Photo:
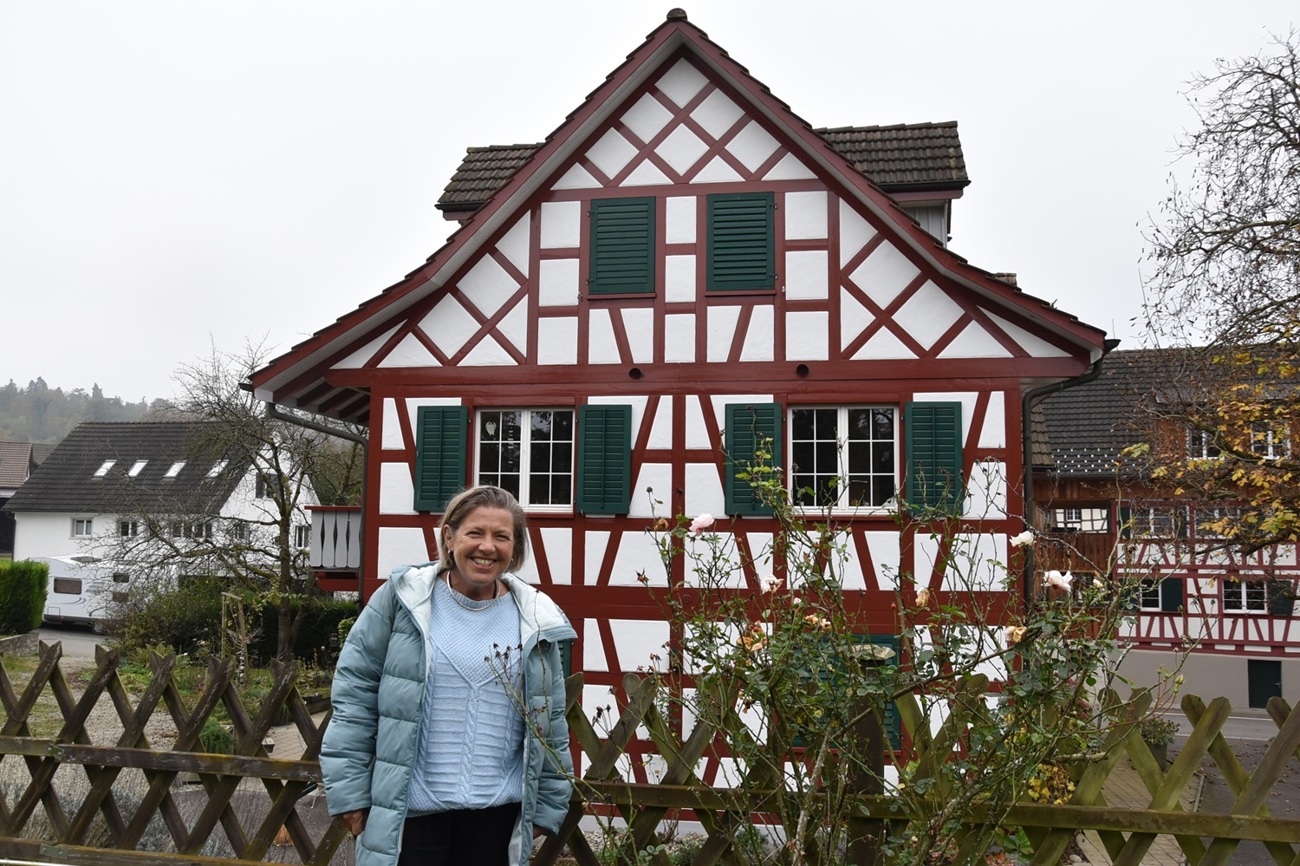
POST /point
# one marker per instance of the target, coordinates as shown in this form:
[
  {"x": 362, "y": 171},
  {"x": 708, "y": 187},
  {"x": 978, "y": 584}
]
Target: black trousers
[{"x": 475, "y": 836}]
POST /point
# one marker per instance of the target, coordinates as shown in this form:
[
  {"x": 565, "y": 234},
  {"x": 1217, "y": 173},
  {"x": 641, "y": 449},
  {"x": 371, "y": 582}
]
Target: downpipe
[{"x": 1027, "y": 445}]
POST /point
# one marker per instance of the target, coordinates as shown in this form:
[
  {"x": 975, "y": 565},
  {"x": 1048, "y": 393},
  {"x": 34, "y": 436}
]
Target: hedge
[
  {"x": 318, "y": 639},
  {"x": 23, "y": 587}
]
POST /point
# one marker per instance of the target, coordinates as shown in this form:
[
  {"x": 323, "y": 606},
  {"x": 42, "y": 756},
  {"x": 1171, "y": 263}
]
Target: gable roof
[
  {"x": 900, "y": 158},
  {"x": 66, "y": 480},
  {"x": 1088, "y": 426},
  {"x": 17, "y": 461},
  {"x": 299, "y": 379}
]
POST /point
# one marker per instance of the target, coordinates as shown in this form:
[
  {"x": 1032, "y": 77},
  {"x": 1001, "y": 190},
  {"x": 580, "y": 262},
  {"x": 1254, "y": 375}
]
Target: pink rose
[{"x": 701, "y": 523}]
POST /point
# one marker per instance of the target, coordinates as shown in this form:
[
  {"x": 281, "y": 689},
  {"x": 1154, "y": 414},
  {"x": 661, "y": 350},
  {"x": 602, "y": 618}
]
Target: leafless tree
[
  {"x": 260, "y": 547},
  {"x": 1225, "y": 297}
]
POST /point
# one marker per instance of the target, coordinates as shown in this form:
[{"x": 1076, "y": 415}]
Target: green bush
[
  {"x": 216, "y": 738},
  {"x": 23, "y": 587},
  {"x": 184, "y": 616},
  {"x": 318, "y": 636}
]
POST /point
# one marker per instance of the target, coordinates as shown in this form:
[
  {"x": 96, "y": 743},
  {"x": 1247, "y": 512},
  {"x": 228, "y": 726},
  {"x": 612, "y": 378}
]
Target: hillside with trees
[{"x": 41, "y": 414}]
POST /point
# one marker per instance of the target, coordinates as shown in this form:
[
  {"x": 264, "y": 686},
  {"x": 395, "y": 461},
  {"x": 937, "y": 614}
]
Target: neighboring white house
[{"x": 111, "y": 490}]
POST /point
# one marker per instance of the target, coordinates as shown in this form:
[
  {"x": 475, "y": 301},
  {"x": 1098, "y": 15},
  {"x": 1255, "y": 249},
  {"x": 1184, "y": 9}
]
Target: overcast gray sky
[{"x": 181, "y": 173}]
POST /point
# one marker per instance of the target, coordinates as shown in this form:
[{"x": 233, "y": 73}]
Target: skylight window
[
  {"x": 135, "y": 469},
  {"x": 175, "y": 470},
  {"x": 103, "y": 470},
  {"x": 217, "y": 468}
]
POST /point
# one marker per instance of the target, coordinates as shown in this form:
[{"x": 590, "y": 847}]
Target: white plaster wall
[
  {"x": 758, "y": 344},
  {"x": 50, "y": 533},
  {"x": 805, "y": 215},
  {"x": 806, "y": 335},
  {"x": 637, "y": 554},
  {"x": 986, "y": 491},
  {"x": 401, "y": 545},
  {"x": 887, "y": 557},
  {"x": 557, "y": 283},
  {"x": 704, "y": 493},
  {"x": 679, "y": 338},
  {"x": 652, "y": 491},
  {"x": 557, "y": 340},
  {"x": 558, "y": 543},
  {"x": 994, "y": 432},
  {"x": 396, "y": 490},
  {"x": 807, "y": 275},
  {"x": 602, "y": 348},
  {"x": 561, "y": 225}
]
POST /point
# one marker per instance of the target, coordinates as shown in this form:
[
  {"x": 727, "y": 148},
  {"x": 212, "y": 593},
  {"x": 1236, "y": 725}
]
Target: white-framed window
[
  {"x": 137, "y": 467},
  {"x": 217, "y": 468},
  {"x": 104, "y": 467},
  {"x": 1202, "y": 444},
  {"x": 83, "y": 527},
  {"x": 1161, "y": 594},
  {"x": 302, "y": 535},
  {"x": 1268, "y": 442},
  {"x": 1205, "y": 515},
  {"x": 128, "y": 528},
  {"x": 1160, "y": 521},
  {"x": 174, "y": 469},
  {"x": 238, "y": 531},
  {"x": 192, "y": 530},
  {"x": 262, "y": 489},
  {"x": 528, "y": 452},
  {"x": 1080, "y": 519},
  {"x": 844, "y": 456},
  {"x": 1247, "y": 596}
]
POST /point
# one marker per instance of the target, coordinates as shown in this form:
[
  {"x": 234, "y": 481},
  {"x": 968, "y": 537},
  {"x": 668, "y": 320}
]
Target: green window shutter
[
  {"x": 439, "y": 455},
  {"x": 748, "y": 425},
  {"x": 622, "y": 246},
  {"x": 934, "y": 456},
  {"x": 1125, "y": 521},
  {"x": 604, "y": 459},
  {"x": 741, "y": 242},
  {"x": 1171, "y": 594}
]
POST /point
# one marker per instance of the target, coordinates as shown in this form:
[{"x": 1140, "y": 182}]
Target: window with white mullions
[
  {"x": 844, "y": 457},
  {"x": 1202, "y": 444},
  {"x": 1268, "y": 442},
  {"x": 528, "y": 452},
  {"x": 1245, "y": 595}
]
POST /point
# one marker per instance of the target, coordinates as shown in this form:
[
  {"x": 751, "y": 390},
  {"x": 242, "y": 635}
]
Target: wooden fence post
[{"x": 867, "y": 773}]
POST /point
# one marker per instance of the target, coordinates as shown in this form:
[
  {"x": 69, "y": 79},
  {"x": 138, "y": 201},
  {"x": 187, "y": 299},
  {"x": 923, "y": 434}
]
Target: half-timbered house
[
  {"x": 1220, "y": 616},
  {"x": 682, "y": 264}
]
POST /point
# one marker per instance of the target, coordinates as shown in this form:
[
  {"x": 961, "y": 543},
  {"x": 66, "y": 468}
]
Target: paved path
[
  {"x": 1124, "y": 789},
  {"x": 1207, "y": 793}
]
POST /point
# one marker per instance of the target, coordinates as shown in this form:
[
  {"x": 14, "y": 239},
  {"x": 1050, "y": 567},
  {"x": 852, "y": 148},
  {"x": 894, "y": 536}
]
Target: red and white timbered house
[
  {"x": 681, "y": 262},
  {"x": 1229, "y": 612}
]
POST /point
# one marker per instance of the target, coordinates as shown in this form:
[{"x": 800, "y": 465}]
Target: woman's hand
[
  {"x": 355, "y": 821},
  {"x": 538, "y": 832}
]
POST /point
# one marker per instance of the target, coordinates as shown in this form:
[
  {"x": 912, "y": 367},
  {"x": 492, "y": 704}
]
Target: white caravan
[{"x": 79, "y": 589}]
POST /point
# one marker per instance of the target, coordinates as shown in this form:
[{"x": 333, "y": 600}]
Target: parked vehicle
[{"x": 80, "y": 590}]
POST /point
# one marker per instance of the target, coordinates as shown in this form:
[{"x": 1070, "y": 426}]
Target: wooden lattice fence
[{"x": 67, "y": 798}]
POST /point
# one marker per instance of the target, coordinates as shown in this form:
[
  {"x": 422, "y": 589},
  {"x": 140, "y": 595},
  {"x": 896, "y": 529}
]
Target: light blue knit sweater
[{"x": 471, "y": 742}]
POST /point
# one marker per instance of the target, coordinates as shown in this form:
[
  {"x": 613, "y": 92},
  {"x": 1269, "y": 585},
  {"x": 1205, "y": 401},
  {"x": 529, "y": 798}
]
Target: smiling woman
[{"x": 484, "y": 766}]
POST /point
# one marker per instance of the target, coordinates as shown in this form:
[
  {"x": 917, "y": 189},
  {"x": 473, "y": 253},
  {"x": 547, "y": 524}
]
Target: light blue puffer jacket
[{"x": 374, "y": 732}]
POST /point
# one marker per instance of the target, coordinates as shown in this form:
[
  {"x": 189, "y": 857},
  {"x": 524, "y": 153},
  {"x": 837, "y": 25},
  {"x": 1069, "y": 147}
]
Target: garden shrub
[
  {"x": 23, "y": 588},
  {"x": 185, "y": 616},
  {"x": 318, "y": 635}
]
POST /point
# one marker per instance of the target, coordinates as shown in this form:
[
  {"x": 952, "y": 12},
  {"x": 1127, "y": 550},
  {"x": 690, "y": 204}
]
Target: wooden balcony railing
[{"x": 335, "y": 538}]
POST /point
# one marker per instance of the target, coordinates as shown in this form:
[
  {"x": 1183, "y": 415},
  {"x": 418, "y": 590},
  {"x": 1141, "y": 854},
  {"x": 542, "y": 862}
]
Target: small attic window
[
  {"x": 217, "y": 468},
  {"x": 137, "y": 467},
  {"x": 175, "y": 469},
  {"x": 103, "y": 470}
]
